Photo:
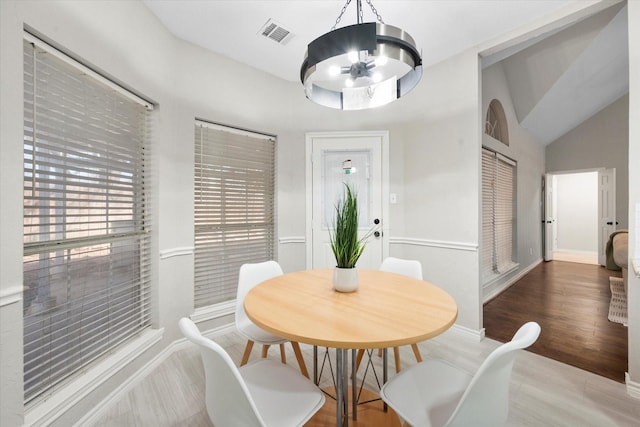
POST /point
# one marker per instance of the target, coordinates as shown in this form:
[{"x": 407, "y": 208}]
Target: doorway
[
  {"x": 579, "y": 215},
  {"x": 361, "y": 160}
]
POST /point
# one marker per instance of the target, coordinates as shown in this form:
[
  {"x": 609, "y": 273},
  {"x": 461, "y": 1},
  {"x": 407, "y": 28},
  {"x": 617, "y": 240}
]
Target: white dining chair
[
  {"x": 263, "y": 393},
  {"x": 251, "y": 274},
  {"x": 436, "y": 393},
  {"x": 407, "y": 267}
]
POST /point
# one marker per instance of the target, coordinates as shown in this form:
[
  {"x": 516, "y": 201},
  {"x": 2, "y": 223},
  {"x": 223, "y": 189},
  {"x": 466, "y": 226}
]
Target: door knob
[
  {"x": 376, "y": 221},
  {"x": 377, "y": 233}
]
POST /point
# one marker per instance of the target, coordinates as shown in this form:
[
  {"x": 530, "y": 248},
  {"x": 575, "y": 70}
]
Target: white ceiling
[{"x": 441, "y": 29}]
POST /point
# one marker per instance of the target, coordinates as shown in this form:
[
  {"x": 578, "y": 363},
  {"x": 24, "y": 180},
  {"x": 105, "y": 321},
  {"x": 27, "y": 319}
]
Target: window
[
  {"x": 234, "y": 208},
  {"x": 498, "y": 213},
  {"x": 495, "y": 124},
  {"x": 86, "y": 223}
]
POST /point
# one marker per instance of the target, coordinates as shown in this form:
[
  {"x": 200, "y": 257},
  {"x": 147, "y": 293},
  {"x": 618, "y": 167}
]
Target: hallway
[{"x": 570, "y": 301}]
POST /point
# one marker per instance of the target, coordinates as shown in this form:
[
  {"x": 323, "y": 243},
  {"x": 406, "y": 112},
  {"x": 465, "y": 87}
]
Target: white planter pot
[{"x": 345, "y": 279}]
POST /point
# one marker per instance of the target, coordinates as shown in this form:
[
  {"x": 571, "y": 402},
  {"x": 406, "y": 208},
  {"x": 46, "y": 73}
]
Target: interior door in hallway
[
  {"x": 606, "y": 210},
  {"x": 358, "y": 159}
]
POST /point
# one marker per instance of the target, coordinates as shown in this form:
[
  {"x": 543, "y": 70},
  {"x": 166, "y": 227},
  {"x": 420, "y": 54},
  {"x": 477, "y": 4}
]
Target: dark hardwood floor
[{"x": 570, "y": 301}]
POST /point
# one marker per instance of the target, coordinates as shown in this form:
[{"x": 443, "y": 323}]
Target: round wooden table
[{"x": 387, "y": 310}]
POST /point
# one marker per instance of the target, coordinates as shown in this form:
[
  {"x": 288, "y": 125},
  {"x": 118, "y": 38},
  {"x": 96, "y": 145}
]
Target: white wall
[
  {"x": 577, "y": 212},
  {"x": 603, "y": 142},
  {"x": 434, "y": 157},
  {"x": 529, "y": 155},
  {"x": 633, "y": 381}
]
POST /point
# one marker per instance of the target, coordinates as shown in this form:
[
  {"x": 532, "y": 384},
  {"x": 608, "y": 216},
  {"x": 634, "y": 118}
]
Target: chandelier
[{"x": 360, "y": 66}]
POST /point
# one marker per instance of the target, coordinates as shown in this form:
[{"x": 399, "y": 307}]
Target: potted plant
[{"x": 345, "y": 244}]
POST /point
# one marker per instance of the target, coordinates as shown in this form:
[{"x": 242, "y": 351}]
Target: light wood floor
[{"x": 544, "y": 392}]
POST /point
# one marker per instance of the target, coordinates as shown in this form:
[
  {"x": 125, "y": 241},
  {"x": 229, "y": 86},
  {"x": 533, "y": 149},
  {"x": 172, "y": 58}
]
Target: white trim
[
  {"x": 460, "y": 246},
  {"x": 86, "y": 70},
  {"x": 169, "y": 253},
  {"x": 214, "y": 311},
  {"x": 633, "y": 388},
  {"x": 98, "y": 410},
  {"x": 309, "y": 137},
  {"x": 570, "y": 255},
  {"x": 69, "y": 395},
  {"x": 11, "y": 295},
  {"x": 231, "y": 129},
  {"x": 490, "y": 290},
  {"x": 635, "y": 264},
  {"x": 475, "y": 335},
  {"x": 291, "y": 239}
]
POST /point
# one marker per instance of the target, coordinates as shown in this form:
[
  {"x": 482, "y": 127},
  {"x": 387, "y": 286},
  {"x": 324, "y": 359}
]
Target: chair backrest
[
  {"x": 485, "y": 402},
  {"x": 251, "y": 275},
  {"x": 227, "y": 397},
  {"x": 408, "y": 267}
]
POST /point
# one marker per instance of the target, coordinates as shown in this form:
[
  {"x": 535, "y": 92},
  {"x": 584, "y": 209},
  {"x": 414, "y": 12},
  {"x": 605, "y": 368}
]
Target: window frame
[
  {"x": 499, "y": 221},
  {"x": 230, "y": 151},
  {"x": 85, "y": 175}
]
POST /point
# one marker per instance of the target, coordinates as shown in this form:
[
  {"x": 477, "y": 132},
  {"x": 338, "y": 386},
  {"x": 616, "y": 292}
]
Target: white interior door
[
  {"x": 356, "y": 159},
  {"x": 606, "y": 210},
  {"x": 550, "y": 221}
]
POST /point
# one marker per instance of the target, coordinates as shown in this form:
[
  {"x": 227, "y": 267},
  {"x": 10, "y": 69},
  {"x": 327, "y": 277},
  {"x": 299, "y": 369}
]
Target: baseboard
[
  {"x": 476, "y": 335},
  {"x": 497, "y": 290},
  {"x": 633, "y": 388},
  {"x": 99, "y": 409},
  {"x": 582, "y": 257},
  {"x": 51, "y": 408}
]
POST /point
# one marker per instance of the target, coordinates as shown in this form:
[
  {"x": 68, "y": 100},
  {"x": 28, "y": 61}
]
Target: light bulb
[
  {"x": 353, "y": 56},
  {"x": 381, "y": 60}
]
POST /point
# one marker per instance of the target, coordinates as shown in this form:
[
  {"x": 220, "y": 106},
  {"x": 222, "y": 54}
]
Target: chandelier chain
[
  {"x": 375, "y": 12},
  {"x": 344, "y": 9}
]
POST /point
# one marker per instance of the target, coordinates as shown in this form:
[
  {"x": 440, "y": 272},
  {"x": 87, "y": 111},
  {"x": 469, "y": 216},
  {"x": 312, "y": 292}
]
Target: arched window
[{"x": 495, "y": 124}]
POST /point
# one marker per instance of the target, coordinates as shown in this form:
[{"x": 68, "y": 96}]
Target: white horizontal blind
[
  {"x": 86, "y": 220},
  {"x": 498, "y": 202},
  {"x": 234, "y": 208}
]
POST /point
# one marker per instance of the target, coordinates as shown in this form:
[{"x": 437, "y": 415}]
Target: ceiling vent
[{"x": 274, "y": 31}]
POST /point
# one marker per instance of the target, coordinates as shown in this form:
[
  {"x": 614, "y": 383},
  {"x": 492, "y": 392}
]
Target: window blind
[
  {"x": 234, "y": 208},
  {"x": 498, "y": 202},
  {"x": 86, "y": 219}
]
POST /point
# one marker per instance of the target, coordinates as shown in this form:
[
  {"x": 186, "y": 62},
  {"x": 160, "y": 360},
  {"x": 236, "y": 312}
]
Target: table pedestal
[{"x": 341, "y": 381}]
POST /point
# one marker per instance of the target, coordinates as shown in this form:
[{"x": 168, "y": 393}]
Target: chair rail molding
[
  {"x": 460, "y": 246},
  {"x": 173, "y": 252},
  {"x": 291, "y": 239},
  {"x": 11, "y": 295}
]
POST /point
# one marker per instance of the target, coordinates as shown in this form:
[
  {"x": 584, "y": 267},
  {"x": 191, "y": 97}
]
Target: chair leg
[
  {"x": 359, "y": 358},
  {"x": 265, "y": 349},
  {"x": 247, "y": 352},
  {"x": 396, "y": 357},
  {"x": 298, "y": 353},
  {"x": 416, "y": 352},
  {"x": 283, "y": 355}
]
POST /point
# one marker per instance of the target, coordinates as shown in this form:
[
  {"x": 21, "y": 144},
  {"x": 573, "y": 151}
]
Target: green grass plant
[{"x": 343, "y": 237}]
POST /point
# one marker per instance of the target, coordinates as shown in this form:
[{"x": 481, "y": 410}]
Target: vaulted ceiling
[{"x": 556, "y": 83}]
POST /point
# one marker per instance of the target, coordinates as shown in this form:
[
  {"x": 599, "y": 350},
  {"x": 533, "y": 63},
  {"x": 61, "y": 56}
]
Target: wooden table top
[{"x": 387, "y": 310}]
